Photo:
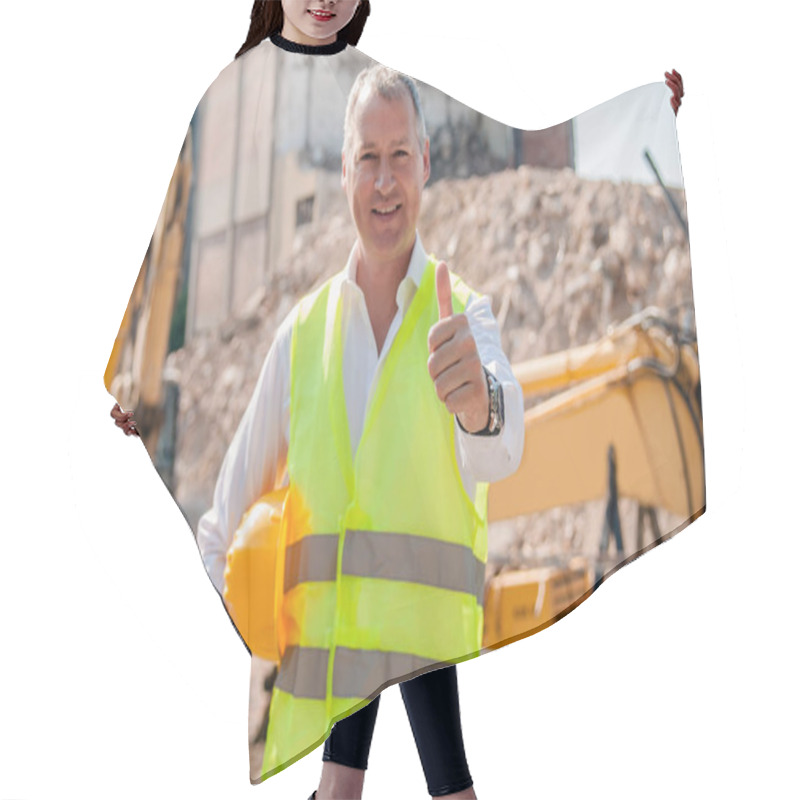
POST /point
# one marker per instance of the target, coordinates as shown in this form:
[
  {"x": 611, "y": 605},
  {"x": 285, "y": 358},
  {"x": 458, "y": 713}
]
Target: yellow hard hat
[{"x": 254, "y": 575}]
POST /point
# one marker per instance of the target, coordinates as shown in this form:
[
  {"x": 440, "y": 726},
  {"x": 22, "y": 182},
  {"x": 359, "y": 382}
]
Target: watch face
[
  {"x": 500, "y": 409},
  {"x": 494, "y": 402}
]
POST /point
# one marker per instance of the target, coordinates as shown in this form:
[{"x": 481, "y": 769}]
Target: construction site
[{"x": 590, "y": 282}]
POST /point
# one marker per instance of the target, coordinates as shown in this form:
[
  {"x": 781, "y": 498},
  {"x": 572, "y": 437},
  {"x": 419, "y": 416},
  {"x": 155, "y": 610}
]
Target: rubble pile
[{"x": 562, "y": 258}]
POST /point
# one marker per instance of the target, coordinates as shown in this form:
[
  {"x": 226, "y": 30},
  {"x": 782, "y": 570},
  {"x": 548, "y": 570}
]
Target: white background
[{"x": 121, "y": 677}]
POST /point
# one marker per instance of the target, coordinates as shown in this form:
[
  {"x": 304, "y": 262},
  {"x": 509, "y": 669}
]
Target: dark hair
[{"x": 266, "y": 19}]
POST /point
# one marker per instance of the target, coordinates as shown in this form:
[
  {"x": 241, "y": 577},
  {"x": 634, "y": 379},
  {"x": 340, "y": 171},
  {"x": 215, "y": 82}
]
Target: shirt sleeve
[
  {"x": 255, "y": 460},
  {"x": 492, "y": 458}
]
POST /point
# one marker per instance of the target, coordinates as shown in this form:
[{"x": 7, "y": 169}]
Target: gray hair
[{"x": 389, "y": 84}]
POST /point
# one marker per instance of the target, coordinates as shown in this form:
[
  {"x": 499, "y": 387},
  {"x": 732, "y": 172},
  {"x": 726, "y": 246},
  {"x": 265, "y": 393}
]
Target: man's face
[{"x": 383, "y": 175}]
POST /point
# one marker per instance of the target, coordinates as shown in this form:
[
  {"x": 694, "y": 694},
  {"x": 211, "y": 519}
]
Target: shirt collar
[{"x": 409, "y": 284}]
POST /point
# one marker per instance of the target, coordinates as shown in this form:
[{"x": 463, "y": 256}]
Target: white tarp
[{"x": 610, "y": 139}]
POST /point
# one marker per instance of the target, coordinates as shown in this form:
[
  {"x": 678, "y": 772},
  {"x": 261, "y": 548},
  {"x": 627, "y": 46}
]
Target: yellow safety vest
[{"x": 385, "y": 557}]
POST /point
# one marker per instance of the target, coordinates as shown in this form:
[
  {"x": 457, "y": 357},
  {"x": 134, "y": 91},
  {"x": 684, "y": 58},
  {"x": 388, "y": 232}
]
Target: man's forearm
[
  {"x": 253, "y": 461},
  {"x": 492, "y": 458}
]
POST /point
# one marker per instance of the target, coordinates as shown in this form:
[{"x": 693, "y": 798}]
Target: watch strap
[{"x": 496, "y": 419}]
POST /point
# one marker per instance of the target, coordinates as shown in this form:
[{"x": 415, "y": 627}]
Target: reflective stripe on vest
[
  {"x": 356, "y": 673},
  {"x": 390, "y": 556}
]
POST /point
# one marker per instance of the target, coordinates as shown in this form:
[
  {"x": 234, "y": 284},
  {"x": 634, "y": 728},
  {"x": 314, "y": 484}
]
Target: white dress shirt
[{"x": 256, "y": 459}]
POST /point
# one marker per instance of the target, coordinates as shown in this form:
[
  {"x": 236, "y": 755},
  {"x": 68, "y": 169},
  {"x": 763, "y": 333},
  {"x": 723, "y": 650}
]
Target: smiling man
[
  {"x": 385, "y": 164},
  {"x": 387, "y": 405}
]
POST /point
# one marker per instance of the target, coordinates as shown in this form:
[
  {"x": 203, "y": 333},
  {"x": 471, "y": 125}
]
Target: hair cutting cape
[{"x": 577, "y": 233}]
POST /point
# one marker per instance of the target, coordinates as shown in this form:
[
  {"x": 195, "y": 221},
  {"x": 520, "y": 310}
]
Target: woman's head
[{"x": 306, "y": 21}]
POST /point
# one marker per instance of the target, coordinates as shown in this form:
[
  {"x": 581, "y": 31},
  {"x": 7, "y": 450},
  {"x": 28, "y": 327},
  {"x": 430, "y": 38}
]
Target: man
[{"x": 389, "y": 405}]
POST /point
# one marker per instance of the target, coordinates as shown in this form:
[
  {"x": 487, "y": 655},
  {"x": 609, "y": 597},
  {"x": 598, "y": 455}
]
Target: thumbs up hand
[
  {"x": 443, "y": 291},
  {"x": 454, "y": 364}
]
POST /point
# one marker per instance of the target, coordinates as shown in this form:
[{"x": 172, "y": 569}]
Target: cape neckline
[{"x": 307, "y": 49}]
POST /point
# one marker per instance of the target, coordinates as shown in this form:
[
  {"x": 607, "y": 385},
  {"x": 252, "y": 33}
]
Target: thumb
[{"x": 443, "y": 292}]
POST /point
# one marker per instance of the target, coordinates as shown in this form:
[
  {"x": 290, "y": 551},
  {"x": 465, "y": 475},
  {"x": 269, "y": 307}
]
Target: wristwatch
[{"x": 496, "y": 408}]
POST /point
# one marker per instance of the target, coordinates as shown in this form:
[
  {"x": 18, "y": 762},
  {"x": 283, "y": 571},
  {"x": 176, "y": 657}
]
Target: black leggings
[{"x": 431, "y": 703}]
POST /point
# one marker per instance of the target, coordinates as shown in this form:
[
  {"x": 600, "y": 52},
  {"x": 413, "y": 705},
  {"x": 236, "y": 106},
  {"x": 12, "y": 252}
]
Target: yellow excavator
[
  {"x": 135, "y": 370},
  {"x": 620, "y": 417}
]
